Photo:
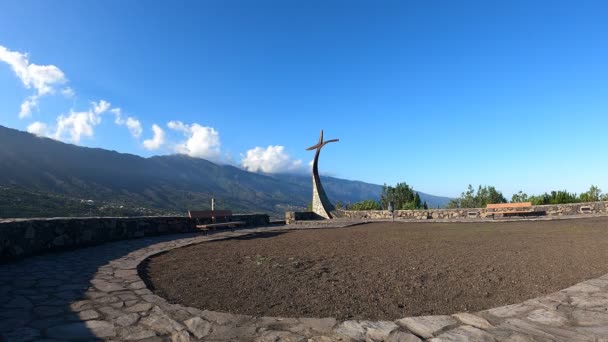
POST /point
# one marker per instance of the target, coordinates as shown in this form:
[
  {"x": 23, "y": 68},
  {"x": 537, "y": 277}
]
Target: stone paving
[{"x": 95, "y": 294}]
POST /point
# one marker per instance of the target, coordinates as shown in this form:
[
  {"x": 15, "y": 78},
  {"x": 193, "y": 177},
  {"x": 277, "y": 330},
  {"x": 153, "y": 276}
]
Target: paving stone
[
  {"x": 125, "y": 273},
  {"x": 82, "y": 330},
  {"x": 88, "y": 315},
  {"x": 198, "y": 327},
  {"x": 139, "y": 307},
  {"x": 283, "y": 336},
  {"x": 117, "y": 305},
  {"x": 599, "y": 331},
  {"x": 548, "y": 317},
  {"x": 71, "y": 287},
  {"x": 472, "y": 320},
  {"x": 110, "y": 312},
  {"x": 19, "y": 302},
  {"x": 223, "y": 318},
  {"x": 11, "y": 323},
  {"x": 152, "y": 298},
  {"x": 379, "y": 331},
  {"x": 427, "y": 326},
  {"x": 81, "y": 305},
  {"x": 311, "y": 326},
  {"x": 48, "y": 322},
  {"x": 232, "y": 333},
  {"x": 138, "y": 285},
  {"x": 322, "y": 339},
  {"x": 510, "y": 310},
  {"x": 588, "y": 302},
  {"x": 180, "y": 336},
  {"x": 161, "y": 324},
  {"x": 583, "y": 287},
  {"x": 107, "y": 299},
  {"x": 464, "y": 333},
  {"x": 22, "y": 335},
  {"x": 400, "y": 336},
  {"x": 107, "y": 287},
  {"x": 587, "y": 318},
  {"x": 135, "y": 333},
  {"x": 543, "y": 331},
  {"x": 362, "y": 330},
  {"x": 46, "y": 311},
  {"x": 131, "y": 302},
  {"x": 524, "y": 338},
  {"x": 48, "y": 283},
  {"x": 126, "y": 320},
  {"x": 127, "y": 296},
  {"x": 180, "y": 315},
  {"x": 68, "y": 295}
]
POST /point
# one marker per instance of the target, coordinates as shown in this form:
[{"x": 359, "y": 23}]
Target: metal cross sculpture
[{"x": 320, "y": 203}]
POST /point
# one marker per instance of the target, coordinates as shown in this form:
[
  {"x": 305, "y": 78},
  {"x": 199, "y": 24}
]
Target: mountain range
[{"x": 168, "y": 184}]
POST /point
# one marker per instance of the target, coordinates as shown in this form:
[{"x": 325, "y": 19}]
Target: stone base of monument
[{"x": 294, "y": 216}]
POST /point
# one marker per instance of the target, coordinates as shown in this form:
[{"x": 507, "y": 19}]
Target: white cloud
[
  {"x": 157, "y": 140},
  {"x": 178, "y": 126},
  {"x": 272, "y": 159},
  {"x": 132, "y": 124},
  {"x": 38, "y": 128},
  {"x": 68, "y": 92},
  {"x": 74, "y": 126},
  {"x": 134, "y": 127},
  {"x": 201, "y": 141},
  {"x": 101, "y": 107},
  {"x": 27, "y": 106},
  {"x": 43, "y": 78}
]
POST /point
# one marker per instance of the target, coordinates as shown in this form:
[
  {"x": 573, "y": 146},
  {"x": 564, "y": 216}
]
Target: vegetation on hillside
[{"x": 20, "y": 203}]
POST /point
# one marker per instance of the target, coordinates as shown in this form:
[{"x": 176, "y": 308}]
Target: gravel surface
[{"x": 382, "y": 271}]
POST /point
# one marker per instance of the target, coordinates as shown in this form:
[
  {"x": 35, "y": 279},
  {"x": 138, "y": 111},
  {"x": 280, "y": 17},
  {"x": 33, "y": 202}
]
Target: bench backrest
[
  {"x": 509, "y": 205},
  {"x": 209, "y": 213}
]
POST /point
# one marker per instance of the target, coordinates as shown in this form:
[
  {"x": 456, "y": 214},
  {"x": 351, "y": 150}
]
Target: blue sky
[{"x": 439, "y": 94}]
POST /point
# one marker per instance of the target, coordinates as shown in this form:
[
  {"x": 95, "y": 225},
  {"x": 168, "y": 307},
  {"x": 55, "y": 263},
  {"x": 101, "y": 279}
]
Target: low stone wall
[
  {"x": 22, "y": 237},
  {"x": 293, "y": 216},
  {"x": 479, "y": 213}
]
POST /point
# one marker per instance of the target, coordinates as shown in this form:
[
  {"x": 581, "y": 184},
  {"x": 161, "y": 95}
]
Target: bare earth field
[{"x": 383, "y": 271}]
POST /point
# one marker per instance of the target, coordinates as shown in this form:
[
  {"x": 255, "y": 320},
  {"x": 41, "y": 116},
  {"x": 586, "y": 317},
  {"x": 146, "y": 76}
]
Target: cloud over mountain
[
  {"x": 201, "y": 141},
  {"x": 272, "y": 159}
]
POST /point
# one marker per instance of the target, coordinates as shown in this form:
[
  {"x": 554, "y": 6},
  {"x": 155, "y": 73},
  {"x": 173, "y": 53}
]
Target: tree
[
  {"x": 402, "y": 196},
  {"x": 485, "y": 195},
  {"x": 593, "y": 195},
  {"x": 519, "y": 197},
  {"x": 365, "y": 205}
]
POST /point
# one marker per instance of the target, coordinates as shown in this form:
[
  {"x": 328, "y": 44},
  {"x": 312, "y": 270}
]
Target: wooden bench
[
  {"x": 217, "y": 218},
  {"x": 521, "y": 209}
]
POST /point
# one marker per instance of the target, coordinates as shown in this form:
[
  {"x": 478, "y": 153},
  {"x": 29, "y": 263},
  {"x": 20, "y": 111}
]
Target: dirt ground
[{"x": 383, "y": 271}]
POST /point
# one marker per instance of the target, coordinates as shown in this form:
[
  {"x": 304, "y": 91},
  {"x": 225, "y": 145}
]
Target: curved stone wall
[
  {"x": 22, "y": 237},
  {"x": 479, "y": 213}
]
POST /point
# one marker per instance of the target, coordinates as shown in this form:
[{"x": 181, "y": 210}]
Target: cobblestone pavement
[{"x": 95, "y": 294}]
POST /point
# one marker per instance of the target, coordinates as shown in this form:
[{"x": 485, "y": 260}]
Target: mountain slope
[{"x": 175, "y": 183}]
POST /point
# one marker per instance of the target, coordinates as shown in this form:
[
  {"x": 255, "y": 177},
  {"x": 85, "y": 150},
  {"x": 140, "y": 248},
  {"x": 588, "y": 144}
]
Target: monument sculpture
[{"x": 320, "y": 203}]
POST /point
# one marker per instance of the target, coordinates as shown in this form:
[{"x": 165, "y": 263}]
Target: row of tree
[
  {"x": 489, "y": 195},
  {"x": 404, "y": 198}
]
